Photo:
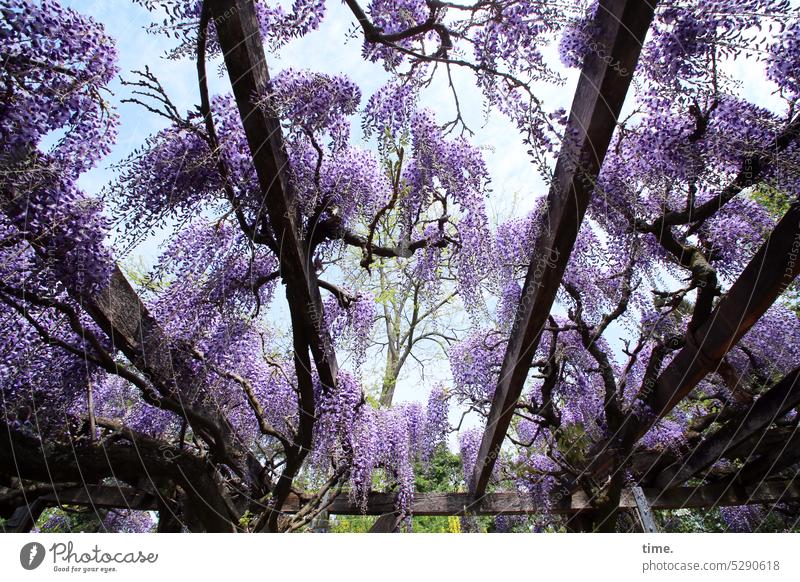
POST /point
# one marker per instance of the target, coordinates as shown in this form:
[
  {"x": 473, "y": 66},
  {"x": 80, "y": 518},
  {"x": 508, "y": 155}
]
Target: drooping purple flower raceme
[
  {"x": 128, "y": 521},
  {"x": 311, "y": 101},
  {"x": 743, "y": 519},
  {"x": 56, "y": 63},
  {"x": 436, "y": 423}
]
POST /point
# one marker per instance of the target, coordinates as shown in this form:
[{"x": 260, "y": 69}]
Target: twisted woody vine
[{"x": 322, "y": 244}]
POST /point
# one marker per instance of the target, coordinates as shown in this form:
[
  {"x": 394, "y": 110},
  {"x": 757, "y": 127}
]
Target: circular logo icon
[{"x": 31, "y": 555}]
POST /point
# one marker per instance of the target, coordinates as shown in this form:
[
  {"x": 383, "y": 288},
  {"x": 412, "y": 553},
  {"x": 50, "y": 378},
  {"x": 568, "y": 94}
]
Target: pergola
[{"x": 601, "y": 91}]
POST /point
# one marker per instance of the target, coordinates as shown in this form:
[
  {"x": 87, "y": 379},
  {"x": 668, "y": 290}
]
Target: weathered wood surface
[
  {"x": 237, "y": 27},
  {"x": 29, "y": 459},
  {"x": 777, "y": 401},
  {"x": 601, "y": 91},
  {"x": 768, "y": 274},
  {"x": 443, "y": 504},
  {"x": 120, "y": 313},
  {"x": 512, "y": 503},
  {"x": 387, "y": 523},
  {"x": 238, "y": 32},
  {"x": 644, "y": 510},
  {"x": 24, "y": 518},
  {"x": 105, "y": 497}
]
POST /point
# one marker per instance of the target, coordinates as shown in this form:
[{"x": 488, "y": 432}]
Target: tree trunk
[{"x": 389, "y": 379}]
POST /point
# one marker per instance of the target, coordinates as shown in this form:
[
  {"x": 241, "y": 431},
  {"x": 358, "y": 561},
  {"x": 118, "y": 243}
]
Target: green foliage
[
  {"x": 573, "y": 443},
  {"x": 711, "y": 521},
  {"x": 443, "y": 473},
  {"x": 137, "y": 273},
  {"x": 777, "y": 204},
  {"x": 432, "y": 524},
  {"x": 246, "y": 520},
  {"x": 774, "y": 523},
  {"x": 690, "y": 521},
  {"x": 74, "y": 520},
  {"x": 352, "y": 523}
]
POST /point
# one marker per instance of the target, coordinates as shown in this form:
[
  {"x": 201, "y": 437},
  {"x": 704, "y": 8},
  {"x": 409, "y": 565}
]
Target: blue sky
[{"x": 515, "y": 182}]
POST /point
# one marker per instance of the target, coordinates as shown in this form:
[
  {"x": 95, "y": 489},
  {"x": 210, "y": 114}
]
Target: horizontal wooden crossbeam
[
  {"x": 24, "y": 518},
  {"x": 439, "y": 504},
  {"x": 103, "y": 497},
  {"x": 513, "y": 503}
]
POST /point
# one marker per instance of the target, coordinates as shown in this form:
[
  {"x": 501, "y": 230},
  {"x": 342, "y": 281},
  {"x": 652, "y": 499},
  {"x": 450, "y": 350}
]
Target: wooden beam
[
  {"x": 120, "y": 313},
  {"x": 513, "y": 503},
  {"x": 724, "y": 494},
  {"x": 387, "y": 523},
  {"x": 602, "y": 87},
  {"x": 644, "y": 511},
  {"x": 774, "y": 403},
  {"x": 239, "y": 35},
  {"x": 24, "y": 517},
  {"x": 729, "y": 493},
  {"x": 768, "y": 274},
  {"x": 778, "y": 459},
  {"x": 236, "y": 22},
  {"x": 29, "y": 458},
  {"x": 96, "y": 496}
]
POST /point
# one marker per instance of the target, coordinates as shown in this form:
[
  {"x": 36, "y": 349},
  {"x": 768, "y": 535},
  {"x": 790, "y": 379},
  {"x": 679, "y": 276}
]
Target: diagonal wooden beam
[
  {"x": 237, "y": 27},
  {"x": 768, "y": 274},
  {"x": 777, "y": 401},
  {"x": 119, "y": 311},
  {"x": 24, "y": 517},
  {"x": 779, "y": 458},
  {"x": 602, "y": 87}
]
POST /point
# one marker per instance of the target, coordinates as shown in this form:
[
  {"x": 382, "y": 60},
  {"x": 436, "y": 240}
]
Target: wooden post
[
  {"x": 643, "y": 511},
  {"x": 321, "y": 522},
  {"x": 386, "y": 523}
]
